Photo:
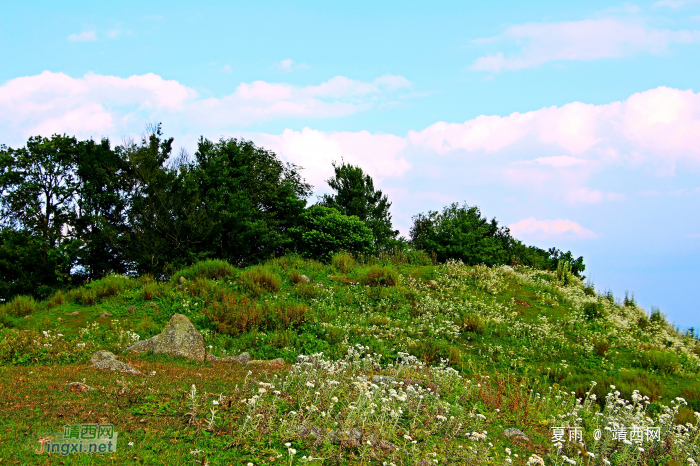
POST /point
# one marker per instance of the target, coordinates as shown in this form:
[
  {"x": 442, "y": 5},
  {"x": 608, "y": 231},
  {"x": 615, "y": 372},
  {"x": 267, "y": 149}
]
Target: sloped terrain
[{"x": 420, "y": 363}]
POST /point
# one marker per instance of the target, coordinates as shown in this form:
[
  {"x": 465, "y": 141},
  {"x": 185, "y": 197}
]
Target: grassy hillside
[{"x": 471, "y": 351}]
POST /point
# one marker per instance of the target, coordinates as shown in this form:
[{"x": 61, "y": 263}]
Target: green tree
[
  {"x": 459, "y": 232},
  {"x": 355, "y": 195},
  {"x": 100, "y": 221},
  {"x": 323, "y": 231},
  {"x": 250, "y": 197}
]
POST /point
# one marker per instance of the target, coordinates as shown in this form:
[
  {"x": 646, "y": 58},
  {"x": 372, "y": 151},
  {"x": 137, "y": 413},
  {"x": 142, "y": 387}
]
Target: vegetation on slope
[{"x": 487, "y": 348}]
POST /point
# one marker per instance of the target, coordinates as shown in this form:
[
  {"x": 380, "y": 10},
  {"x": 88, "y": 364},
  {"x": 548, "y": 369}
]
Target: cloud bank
[{"x": 590, "y": 39}]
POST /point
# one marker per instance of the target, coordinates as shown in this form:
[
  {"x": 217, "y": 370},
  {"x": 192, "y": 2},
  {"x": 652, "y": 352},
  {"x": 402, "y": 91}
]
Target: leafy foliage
[{"x": 355, "y": 195}]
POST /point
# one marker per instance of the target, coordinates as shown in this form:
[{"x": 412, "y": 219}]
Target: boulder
[
  {"x": 102, "y": 355},
  {"x": 516, "y": 434},
  {"x": 178, "y": 338}
]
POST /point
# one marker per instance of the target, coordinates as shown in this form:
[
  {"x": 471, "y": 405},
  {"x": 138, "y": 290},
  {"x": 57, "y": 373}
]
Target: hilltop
[{"x": 458, "y": 349}]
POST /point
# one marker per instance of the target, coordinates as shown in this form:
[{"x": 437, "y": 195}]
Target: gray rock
[
  {"x": 131, "y": 309},
  {"x": 102, "y": 355},
  {"x": 265, "y": 363},
  {"x": 211, "y": 357},
  {"x": 304, "y": 279},
  {"x": 383, "y": 379},
  {"x": 104, "y": 315},
  {"x": 516, "y": 434},
  {"x": 178, "y": 338},
  {"x": 143, "y": 345},
  {"x": 347, "y": 438},
  {"x": 182, "y": 279},
  {"x": 114, "y": 365},
  {"x": 243, "y": 358},
  {"x": 75, "y": 313}
]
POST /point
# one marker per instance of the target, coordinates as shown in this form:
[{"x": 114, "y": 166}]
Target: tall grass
[
  {"x": 260, "y": 279},
  {"x": 20, "y": 306},
  {"x": 212, "y": 269}
]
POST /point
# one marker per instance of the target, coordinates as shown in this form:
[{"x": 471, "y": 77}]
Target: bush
[
  {"x": 662, "y": 361},
  {"x": 324, "y": 231},
  {"x": 212, "y": 269},
  {"x": 20, "y": 306},
  {"x": 471, "y": 323},
  {"x": 235, "y": 314},
  {"x": 259, "y": 278},
  {"x": 601, "y": 347},
  {"x": 99, "y": 289},
  {"x": 152, "y": 290},
  {"x": 592, "y": 310},
  {"x": 380, "y": 275},
  {"x": 343, "y": 261}
]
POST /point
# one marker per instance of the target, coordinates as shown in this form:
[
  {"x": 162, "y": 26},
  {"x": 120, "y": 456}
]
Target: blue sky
[{"x": 575, "y": 123}]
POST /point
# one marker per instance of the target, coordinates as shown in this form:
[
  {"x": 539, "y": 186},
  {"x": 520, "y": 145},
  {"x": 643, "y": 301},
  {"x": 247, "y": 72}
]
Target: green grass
[{"x": 525, "y": 330}]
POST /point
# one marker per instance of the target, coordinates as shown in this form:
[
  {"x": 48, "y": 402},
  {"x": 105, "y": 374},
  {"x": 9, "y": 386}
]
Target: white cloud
[
  {"x": 589, "y": 39},
  {"x": 288, "y": 65},
  {"x": 560, "y": 161},
  {"x": 85, "y": 36},
  {"x": 533, "y": 228},
  {"x": 227, "y": 69},
  {"x": 675, "y": 4},
  {"x": 109, "y": 104},
  {"x": 114, "y": 33},
  {"x": 378, "y": 154}
]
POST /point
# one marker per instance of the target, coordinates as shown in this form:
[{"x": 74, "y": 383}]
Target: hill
[{"x": 409, "y": 363}]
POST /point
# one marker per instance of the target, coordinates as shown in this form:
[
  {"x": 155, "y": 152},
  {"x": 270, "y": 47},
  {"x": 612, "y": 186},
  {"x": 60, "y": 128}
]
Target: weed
[
  {"x": 20, "y": 306},
  {"x": 343, "y": 261},
  {"x": 260, "y": 279},
  {"x": 212, "y": 269},
  {"x": 380, "y": 275}
]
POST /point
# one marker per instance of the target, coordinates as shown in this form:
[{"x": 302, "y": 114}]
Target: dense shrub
[
  {"x": 662, "y": 361},
  {"x": 380, "y": 275},
  {"x": 20, "y": 306},
  {"x": 343, "y": 261},
  {"x": 260, "y": 279},
  {"x": 212, "y": 269}
]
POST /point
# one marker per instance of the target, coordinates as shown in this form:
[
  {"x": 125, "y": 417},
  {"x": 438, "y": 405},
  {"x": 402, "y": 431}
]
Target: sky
[{"x": 576, "y": 124}]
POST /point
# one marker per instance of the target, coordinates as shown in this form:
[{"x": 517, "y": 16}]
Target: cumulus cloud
[
  {"x": 590, "y": 39},
  {"x": 533, "y": 228},
  {"x": 378, "y": 154},
  {"x": 110, "y": 104},
  {"x": 661, "y": 124},
  {"x": 85, "y": 36}
]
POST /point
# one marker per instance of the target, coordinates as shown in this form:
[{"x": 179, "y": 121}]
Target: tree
[
  {"x": 459, "y": 232},
  {"x": 100, "y": 221},
  {"x": 250, "y": 197},
  {"x": 323, "y": 231},
  {"x": 355, "y": 195}
]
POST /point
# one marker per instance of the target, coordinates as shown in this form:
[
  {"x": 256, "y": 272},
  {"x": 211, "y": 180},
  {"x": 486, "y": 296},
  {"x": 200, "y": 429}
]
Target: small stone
[
  {"x": 304, "y": 279},
  {"x": 516, "y": 434},
  {"x": 102, "y": 355},
  {"x": 27, "y": 316},
  {"x": 104, "y": 315},
  {"x": 180, "y": 287},
  {"x": 211, "y": 357},
  {"x": 182, "y": 279},
  {"x": 59, "y": 319},
  {"x": 131, "y": 309},
  {"x": 75, "y": 313},
  {"x": 347, "y": 438},
  {"x": 79, "y": 387},
  {"x": 383, "y": 379}
]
